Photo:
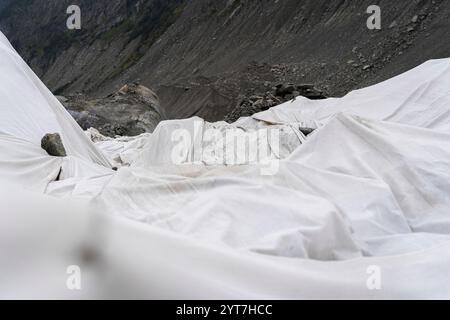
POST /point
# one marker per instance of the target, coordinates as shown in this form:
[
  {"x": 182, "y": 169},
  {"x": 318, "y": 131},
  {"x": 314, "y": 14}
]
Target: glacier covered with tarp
[{"x": 360, "y": 208}]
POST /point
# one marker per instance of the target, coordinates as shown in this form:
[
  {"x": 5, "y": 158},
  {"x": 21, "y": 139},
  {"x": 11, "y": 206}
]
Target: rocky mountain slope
[{"x": 202, "y": 56}]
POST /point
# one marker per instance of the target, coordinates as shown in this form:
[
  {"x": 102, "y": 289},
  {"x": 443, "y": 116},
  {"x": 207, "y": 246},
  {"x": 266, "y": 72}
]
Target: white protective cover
[{"x": 360, "y": 210}]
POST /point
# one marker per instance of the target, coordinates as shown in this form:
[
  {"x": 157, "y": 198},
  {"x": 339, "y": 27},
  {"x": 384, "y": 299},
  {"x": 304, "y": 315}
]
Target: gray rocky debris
[
  {"x": 131, "y": 111},
  {"x": 393, "y": 24},
  {"x": 52, "y": 143},
  {"x": 283, "y": 92}
]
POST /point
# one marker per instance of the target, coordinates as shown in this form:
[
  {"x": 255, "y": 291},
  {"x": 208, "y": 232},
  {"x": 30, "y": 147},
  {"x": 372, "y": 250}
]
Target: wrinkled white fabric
[
  {"x": 26, "y": 165},
  {"x": 195, "y": 141},
  {"x": 44, "y": 236},
  {"x": 28, "y": 110},
  {"x": 367, "y": 191},
  {"x": 327, "y": 201}
]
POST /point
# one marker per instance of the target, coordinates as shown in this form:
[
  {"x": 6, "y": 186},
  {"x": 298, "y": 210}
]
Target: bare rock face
[
  {"x": 132, "y": 110},
  {"x": 52, "y": 143}
]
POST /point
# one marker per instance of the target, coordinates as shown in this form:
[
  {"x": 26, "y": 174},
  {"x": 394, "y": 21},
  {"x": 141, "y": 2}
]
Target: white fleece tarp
[
  {"x": 377, "y": 188},
  {"x": 140, "y": 261},
  {"x": 359, "y": 210}
]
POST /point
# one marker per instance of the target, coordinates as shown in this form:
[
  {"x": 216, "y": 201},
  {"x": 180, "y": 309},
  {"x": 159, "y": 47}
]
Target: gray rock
[
  {"x": 255, "y": 98},
  {"x": 132, "y": 110},
  {"x": 393, "y": 24},
  {"x": 52, "y": 143},
  {"x": 284, "y": 89},
  {"x": 247, "y": 105},
  {"x": 61, "y": 99},
  {"x": 305, "y": 86},
  {"x": 306, "y": 131},
  {"x": 259, "y": 104}
]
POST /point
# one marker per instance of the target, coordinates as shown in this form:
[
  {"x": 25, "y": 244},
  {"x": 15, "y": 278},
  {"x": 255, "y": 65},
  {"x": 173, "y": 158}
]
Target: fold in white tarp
[
  {"x": 140, "y": 261},
  {"x": 412, "y": 162},
  {"x": 366, "y": 195}
]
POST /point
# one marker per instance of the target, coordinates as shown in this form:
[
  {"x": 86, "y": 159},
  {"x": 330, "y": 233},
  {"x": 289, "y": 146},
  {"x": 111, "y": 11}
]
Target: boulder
[
  {"x": 284, "y": 89},
  {"x": 132, "y": 110},
  {"x": 52, "y": 143},
  {"x": 306, "y": 131}
]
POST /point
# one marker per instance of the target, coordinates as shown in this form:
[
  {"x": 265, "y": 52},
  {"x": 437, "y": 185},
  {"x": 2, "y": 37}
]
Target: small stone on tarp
[{"x": 52, "y": 143}]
